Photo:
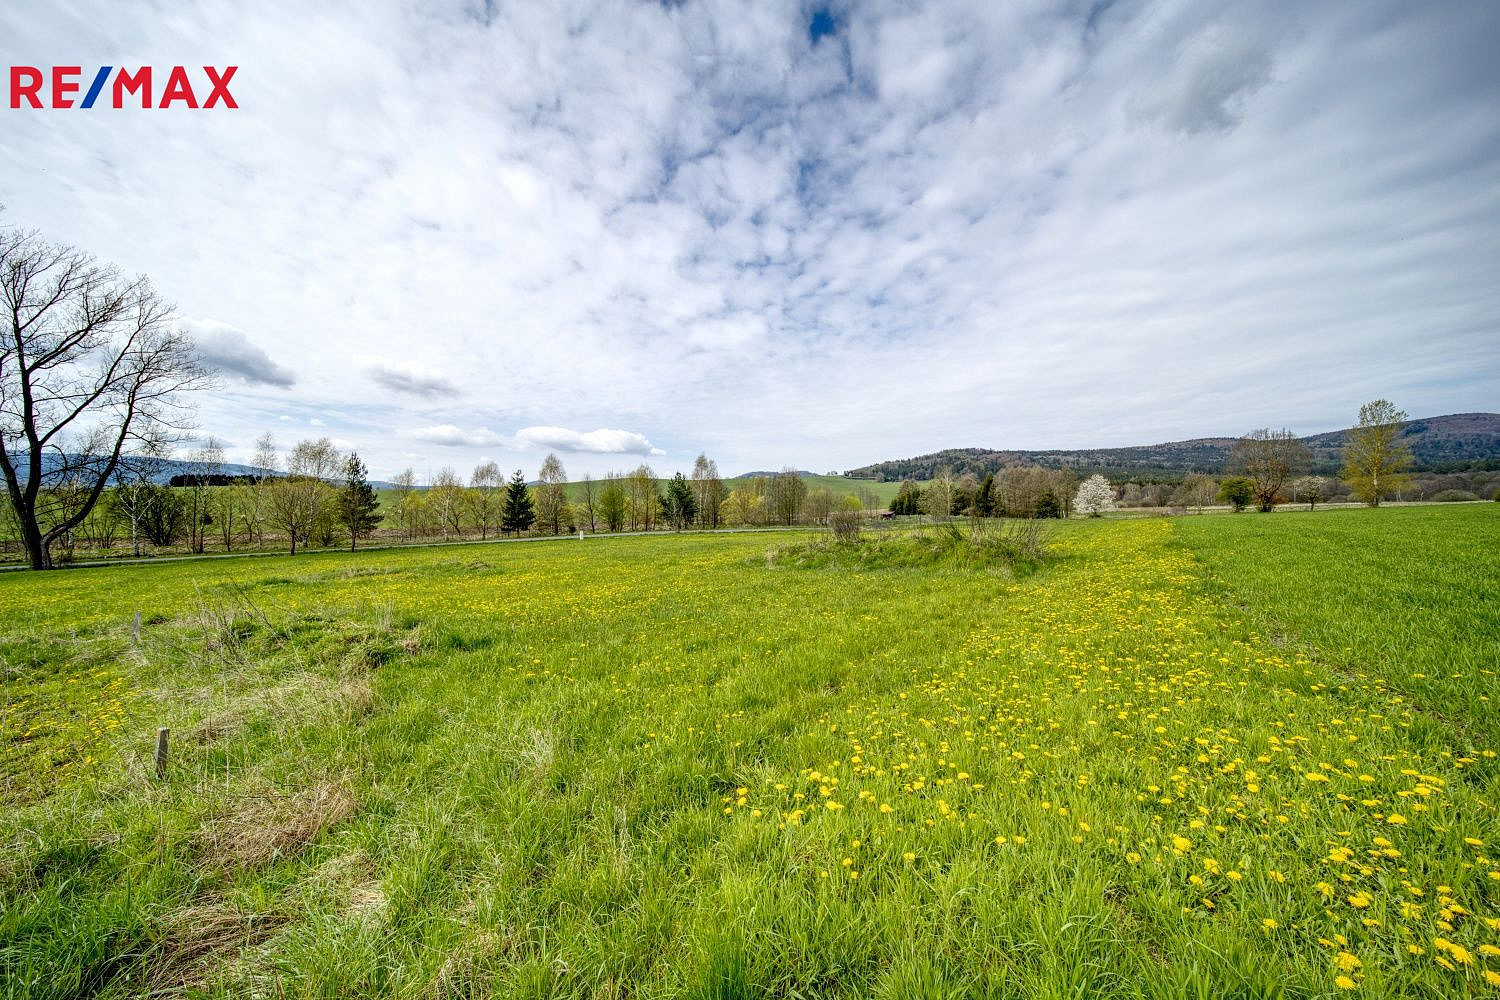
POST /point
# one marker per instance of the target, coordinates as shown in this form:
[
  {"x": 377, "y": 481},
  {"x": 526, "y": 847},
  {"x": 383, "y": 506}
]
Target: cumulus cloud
[
  {"x": 399, "y": 376},
  {"x": 231, "y": 352},
  {"x": 604, "y": 441},
  {"x": 451, "y": 436}
]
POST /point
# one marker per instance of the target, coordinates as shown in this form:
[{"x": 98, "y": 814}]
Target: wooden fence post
[{"x": 161, "y": 752}]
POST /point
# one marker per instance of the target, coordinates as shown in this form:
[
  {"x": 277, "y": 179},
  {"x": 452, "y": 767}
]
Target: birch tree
[
  {"x": 552, "y": 495},
  {"x": 1376, "y": 459}
]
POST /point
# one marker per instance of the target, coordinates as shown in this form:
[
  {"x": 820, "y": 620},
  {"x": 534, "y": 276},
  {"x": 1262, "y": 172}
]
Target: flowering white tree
[{"x": 1095, "y": 496}]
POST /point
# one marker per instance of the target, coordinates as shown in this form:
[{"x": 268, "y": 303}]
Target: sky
[{"x": 789, "y": 234}]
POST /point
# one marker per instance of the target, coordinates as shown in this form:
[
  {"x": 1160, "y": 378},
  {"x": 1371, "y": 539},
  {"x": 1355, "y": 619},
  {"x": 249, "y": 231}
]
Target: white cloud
[
  {"x": 604, "y": 441},
  {"x": 450, "y": 436}
]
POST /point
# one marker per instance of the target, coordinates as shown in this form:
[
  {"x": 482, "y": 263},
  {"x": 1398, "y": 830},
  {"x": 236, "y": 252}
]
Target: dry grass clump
[
  {"x": 303, "y": 699},
  {"x": 198, "y": 939},
  {"x": 352, "y": 882},
  {"x": 263, "y": 827}
]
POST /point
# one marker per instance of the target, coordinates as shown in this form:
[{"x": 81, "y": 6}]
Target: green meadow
[{"x": 1218, "y": 756}]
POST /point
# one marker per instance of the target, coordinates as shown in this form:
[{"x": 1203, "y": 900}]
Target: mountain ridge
[{"x": 1437, "y": 444}]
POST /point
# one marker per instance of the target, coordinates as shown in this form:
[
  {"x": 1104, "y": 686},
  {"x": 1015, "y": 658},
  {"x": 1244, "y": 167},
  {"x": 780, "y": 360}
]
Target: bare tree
[
  {"x": 90, "y": 371},
  {"x": 588, "y": 501},
  {"x": 785, "y": 494},
  {"x": 134, "y": 491},
  {"x": 446, "y": 494},
  {"x": 820, "y": 503},
  {"x": 301, "y": 500},
  {"x": 552, "y": 495},
  {"x": 254, "y": 498},
  {"x": 1197, "y": 490},
  {"x": 937, "y": 499},
  {"x": 208, "y": 464},
  {"x": 1269, "y": 458},
  {"x": 643, "y": 500},
  {"x": 404, "y": 485},
  {"x": 486, "y": 497},
  {"x": 708, "y": 490}
]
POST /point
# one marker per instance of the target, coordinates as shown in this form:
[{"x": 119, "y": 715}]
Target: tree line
[{"x": 1268, "y": 468}]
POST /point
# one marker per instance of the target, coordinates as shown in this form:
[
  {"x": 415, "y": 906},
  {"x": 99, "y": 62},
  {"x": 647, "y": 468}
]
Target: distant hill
[{"x": 1438, "y": 444}]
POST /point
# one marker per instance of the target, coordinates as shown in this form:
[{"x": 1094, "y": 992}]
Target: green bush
[
  {"x": 1237, "y": 491},
  {"x": 1013, "y": 547}
]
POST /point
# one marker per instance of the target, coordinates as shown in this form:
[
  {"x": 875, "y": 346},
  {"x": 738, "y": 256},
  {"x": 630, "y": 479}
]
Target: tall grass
[{"x": 658, "y": 767}]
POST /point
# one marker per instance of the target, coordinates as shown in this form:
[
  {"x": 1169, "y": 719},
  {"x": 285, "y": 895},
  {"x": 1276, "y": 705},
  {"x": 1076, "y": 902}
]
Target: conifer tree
[
  {"x": 681, "y": 504},
  {"x": 358, "y": 507},
  {"x": 520, "y": 512},
  {"x": 984, "y": 500}
]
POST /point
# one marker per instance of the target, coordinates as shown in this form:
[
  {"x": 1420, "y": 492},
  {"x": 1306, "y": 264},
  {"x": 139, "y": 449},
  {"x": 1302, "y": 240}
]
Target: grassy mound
[{"x": 1016, "y": 548}]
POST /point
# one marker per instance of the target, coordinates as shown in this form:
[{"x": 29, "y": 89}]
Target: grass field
[
  {"x": 1206, "y": 757},
  {"x": 839, "y": 485}
]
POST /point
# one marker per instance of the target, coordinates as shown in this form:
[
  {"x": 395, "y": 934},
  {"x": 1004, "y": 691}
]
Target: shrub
[
  {"x": 1453, "y": 496},
  {"x": 844, "y": 524},
  {"x": 1237, "y": 491},
  {"x": 1013, "y": 547}
]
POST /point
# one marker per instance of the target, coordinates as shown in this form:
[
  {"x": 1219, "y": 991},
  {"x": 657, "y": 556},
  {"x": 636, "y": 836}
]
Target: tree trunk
[{"x": 38, "y": 550}]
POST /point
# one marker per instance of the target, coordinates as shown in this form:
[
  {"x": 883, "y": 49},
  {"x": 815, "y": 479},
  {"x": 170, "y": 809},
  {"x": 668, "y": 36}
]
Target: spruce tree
[
  {"x": 984, "y": 500},
  {"x": 358, "y": 507},
  {"x": 520, "y": 512},
  {"x": 681, "y": 504}
]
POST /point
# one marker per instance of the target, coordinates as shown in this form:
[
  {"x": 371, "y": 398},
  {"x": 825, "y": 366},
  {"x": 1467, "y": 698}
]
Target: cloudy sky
[{"x": 790, "y": 234}]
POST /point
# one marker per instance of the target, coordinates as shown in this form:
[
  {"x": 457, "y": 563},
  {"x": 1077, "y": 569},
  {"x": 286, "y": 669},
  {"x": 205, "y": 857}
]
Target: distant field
[
  {"x": 849, "y": 487},
  {"x": 838, "y": 484},
  {"x": 1194, "y": 757}
]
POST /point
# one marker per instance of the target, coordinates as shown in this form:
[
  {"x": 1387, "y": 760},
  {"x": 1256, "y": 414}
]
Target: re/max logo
[{"x": 28, "y": 82}]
